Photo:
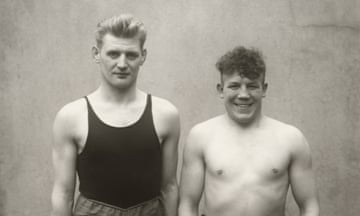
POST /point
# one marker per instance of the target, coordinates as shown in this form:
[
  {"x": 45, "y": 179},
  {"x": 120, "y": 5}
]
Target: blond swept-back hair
[{"x": 124, "y": 25}]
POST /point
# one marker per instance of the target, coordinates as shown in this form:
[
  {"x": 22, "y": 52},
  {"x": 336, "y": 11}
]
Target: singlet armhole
[
  {"x": 88, "y": 126},
  {"x": 152, "y": 120}
]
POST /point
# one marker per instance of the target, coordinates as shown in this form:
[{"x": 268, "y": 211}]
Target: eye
[
  {"x": 113, "y": 54},
  {"x": 253, "y": 86},
  {"x": 233, "y": 87},
  {"x": 132, "y": 55}
]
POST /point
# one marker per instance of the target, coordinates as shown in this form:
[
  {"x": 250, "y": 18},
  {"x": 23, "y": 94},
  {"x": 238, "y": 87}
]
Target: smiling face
[
  {"x": 119, "y": 60},
  {"x": 242, "y": 97}
]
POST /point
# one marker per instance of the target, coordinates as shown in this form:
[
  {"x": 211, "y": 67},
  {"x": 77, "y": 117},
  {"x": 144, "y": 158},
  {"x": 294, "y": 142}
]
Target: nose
[
  {"x": 243, "y": 93},
  {"x": 122, "y": 62}
]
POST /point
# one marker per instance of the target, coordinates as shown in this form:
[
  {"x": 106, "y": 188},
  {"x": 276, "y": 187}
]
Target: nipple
[
  {"x": 275, "y": 171},
  {"x": 219, "y": 172}
]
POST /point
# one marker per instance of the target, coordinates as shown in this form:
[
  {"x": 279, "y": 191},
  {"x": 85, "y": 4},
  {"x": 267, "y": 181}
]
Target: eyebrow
[
  {"x": 126, "y": 52},
  {"x": 233, "y": 83}
]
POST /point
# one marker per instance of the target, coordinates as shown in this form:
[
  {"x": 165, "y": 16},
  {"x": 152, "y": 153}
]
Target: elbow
[
  {"x": 310, "y": 209},
  {"x": 62, "y": 193},
  {"x": 170, "y": 187},
  {"x": 187, "y": 207},
  {"x": 62, "y": 200}
]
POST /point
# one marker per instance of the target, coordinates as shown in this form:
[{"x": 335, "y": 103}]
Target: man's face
[
  {"x": 119, "y": 60},
  {"x": 242, "y": 96}
]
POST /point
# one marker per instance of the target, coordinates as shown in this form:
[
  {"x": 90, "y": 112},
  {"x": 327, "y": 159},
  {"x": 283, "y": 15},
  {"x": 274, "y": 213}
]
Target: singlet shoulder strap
[
  {"x": 87, "y": 100},
  {"x": 91, "y": 111},
  {"x": 147, "y": 114},
  {"x": 148, "y": 103},
  {"x": 88, "y": 103}
]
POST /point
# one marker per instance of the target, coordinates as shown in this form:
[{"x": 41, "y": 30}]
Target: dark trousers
[{"x": 88, "y": 207}]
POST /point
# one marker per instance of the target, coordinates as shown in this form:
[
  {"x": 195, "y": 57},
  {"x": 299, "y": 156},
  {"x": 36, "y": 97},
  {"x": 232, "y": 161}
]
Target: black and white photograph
[{"x": 179, "y": 108}]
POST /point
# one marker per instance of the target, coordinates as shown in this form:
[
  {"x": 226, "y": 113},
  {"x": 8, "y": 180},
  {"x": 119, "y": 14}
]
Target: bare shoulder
[
  {"x": 164, "y": 106},
  {"x": 292, "y": 135},
  {"x": 166, "y": 119},
  {"x": 164, "y": 110},
  {"x": 201, "y": 133},
  {"x": 71, "y": 110},
  {"x": 282, "y": 129},
  {"x": 69, "y": 117},
  {"x": 208, "y": 126}
]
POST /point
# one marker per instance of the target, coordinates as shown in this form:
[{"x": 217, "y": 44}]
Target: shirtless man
[
  {"x": 121, "y": 141},
  {"x": 244, "y": 161}
]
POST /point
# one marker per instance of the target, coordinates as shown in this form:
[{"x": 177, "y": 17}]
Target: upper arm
[
  {"x": 64, "y": 154},
  {"x": 302, "y": 176},
  {"x": 193, "y": 171},
  {"x": 167, "y": 125},
  {"x": 170, "y": 149}
]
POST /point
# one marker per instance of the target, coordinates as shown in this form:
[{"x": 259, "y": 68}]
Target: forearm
[
  {"x": 170, "y": 196},
  {"x": 62, "y": 204},
  {"x": 188, "y": 209},
  {"x": 310, "y": 212}
]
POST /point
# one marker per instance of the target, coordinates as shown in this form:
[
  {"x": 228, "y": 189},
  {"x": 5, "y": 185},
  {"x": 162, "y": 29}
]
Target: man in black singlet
[{"x": 121, "y": 141}]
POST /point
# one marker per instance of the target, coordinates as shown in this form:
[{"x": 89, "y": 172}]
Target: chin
[
  {"x": 122, "y": 84},
  {"x": 243, "y": 118}
]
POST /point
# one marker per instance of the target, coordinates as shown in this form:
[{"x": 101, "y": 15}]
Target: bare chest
[{"x": 255, "y": 159}]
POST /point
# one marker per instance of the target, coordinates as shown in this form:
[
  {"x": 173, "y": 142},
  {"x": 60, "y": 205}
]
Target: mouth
[
  {"x": 243, "y": 105},
  {"x": 121, "y": 74}
]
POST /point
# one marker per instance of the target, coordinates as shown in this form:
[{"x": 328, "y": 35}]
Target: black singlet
[{"x": 120, "y": 166}]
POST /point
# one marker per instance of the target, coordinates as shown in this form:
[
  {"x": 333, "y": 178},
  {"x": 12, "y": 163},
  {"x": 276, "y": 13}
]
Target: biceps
[
  {"x": 64, "y": 161},
  {"x": 302, "y": 182},
  {"x": 192, "y": 179}
]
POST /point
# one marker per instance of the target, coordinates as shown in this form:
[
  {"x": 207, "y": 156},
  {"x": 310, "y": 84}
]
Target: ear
[
  {"x": 265, "y": 87},
  {"x": 220, "y": 90},
  {"x": 95, "y": 54},
  {"x": 143, "y": 57}
]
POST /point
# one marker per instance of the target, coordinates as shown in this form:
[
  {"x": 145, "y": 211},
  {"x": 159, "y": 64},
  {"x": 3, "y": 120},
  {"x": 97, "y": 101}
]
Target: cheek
[
  {"x": 136, "y": 64},
  {"x": 229, "y": 92},
  {"x": 108, "y": 63},
  {"x": 229, "y": 98},
  {"x": 257, "y": 95}
]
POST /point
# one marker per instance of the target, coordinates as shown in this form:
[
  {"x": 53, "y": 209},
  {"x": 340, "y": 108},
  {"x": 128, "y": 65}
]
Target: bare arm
[
  {"x": 64, "y": 159},
  {"x": 192, "y": 177},
  {"x": 168, "y": 128},
  {"x": 302, "y": 179}
]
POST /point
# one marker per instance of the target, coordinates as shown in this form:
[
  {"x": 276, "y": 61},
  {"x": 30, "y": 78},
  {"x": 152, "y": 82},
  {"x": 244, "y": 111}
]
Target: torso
[
  {"x": 114, "y": 116},
  {"x": 246, "y": 173},
  {"x": 120, "y": 117}
]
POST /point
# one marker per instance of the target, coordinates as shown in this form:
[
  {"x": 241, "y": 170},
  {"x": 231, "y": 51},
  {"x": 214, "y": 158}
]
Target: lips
[
  {"x": 243, "y": 108},
  {"x": 243, "y": 105},
  {"x": 121, "y": 74}
]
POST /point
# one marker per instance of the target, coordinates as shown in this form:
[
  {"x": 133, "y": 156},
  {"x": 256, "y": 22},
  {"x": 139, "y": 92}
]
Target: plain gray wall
[{"x": 312, "y": 51}]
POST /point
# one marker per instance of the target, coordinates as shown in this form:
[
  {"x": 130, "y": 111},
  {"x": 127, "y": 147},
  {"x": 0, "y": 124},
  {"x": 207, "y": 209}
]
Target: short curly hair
[{"x": 248, "y": 62}]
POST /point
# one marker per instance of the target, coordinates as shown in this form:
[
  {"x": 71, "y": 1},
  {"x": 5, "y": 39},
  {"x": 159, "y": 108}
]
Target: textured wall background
[{"x": 312, "y": 50}]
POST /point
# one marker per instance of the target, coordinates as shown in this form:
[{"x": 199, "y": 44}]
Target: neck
[
  {"x": 116, "y": 95},
  {"x": 247, "y": 125}
]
